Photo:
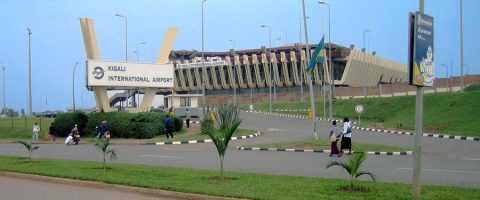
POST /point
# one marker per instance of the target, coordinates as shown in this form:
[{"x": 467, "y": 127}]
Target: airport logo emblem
[{"x": 98, "y": 72}]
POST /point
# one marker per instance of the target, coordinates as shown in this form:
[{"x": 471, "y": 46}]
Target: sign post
[
  {"x": 359, "y": 110},
  {"x": 421, "y": 73}
]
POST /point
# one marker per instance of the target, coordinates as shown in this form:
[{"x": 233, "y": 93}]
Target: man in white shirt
[
  {"x": 35, "y": 131},
  {"x": 69, "y": 139},
  {"x": 347, "y": 137}
]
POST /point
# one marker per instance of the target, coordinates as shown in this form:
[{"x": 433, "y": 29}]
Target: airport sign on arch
[{"x": 121, "y": 74}]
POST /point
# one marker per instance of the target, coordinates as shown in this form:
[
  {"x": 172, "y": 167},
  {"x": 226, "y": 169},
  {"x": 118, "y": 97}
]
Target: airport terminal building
[{"x": 253, "y": 74}]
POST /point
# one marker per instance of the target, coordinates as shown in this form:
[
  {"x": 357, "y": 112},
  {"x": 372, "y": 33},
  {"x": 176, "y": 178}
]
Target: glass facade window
[{"x": 185, "y": 102}]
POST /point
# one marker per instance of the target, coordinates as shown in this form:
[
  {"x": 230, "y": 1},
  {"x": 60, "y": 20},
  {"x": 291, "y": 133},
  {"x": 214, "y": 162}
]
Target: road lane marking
[
  {"x": 158, "y": 156},
  {"x": 470, "y": 158},
  {"x": 442, "y": 170},
  {"x": 181, "y": 149}
]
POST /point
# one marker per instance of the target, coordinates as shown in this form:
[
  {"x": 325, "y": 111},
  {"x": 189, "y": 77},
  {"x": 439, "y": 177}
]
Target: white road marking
[
  {"x": 442, "y": 170},
  {"x": 158, "y": 156},
  {"x": 274, "y": 129},
  {"x": 181, "y": 149},
  {"x": 470, "y": 158}
]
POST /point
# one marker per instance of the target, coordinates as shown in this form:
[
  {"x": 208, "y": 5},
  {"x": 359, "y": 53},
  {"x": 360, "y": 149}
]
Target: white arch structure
[{"x": 92, "y": 53}]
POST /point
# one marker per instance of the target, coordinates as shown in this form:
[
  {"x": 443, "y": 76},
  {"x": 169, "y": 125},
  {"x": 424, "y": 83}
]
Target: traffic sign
[{"x": 359, "y": 109}]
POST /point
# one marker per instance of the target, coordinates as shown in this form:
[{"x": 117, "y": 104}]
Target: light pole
[
  {"x": 451, "y": 75},
  {"x": 330, "y": 65},
  {"x": 446, "y": 67},
  {"x": 138, "y": 52},
  {"x": 73, "y": 85},
  {"x": 461, "y": 48},
  {"x": 203, "y": 61},
  {"x": 269, "y": 63},
  {"x": 364, "y": 53},
  {"x": 467, "y": 69},
  {"x": 234, "y": 75},
  {"x": 29, "y": 72},
  {"x": 135, "y": 99},
  {"x": 4, "y": 104},
  {"x": 126, "y": 50}
]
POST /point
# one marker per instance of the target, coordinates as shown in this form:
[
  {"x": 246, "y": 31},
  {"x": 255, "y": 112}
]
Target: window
[{"x": 185, "y": 102}]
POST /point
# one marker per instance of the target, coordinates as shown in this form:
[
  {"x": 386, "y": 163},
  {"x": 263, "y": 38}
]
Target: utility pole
[
  {"x": 29, "y": 73},
  {"x": 417, "y": 150}
]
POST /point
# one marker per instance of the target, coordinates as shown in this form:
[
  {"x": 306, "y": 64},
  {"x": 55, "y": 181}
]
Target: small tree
[
  {"x": 30, "y": 148},
  {"x": 353, "y": 167},
  {"x": 227, "y": 121},
  {"x": 102, "y": 145}
]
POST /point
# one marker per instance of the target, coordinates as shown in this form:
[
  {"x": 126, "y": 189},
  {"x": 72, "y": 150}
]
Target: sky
[{"x": 57, "y": 43}]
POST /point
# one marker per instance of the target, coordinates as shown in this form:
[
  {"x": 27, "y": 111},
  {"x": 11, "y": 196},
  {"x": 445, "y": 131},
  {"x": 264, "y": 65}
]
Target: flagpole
[{"x": 312, "y": 98}]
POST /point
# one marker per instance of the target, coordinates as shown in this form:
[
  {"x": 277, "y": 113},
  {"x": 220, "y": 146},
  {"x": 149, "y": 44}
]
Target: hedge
[
  {"x": 132, "y": 125},
  {"x": 65, "y": 122}
]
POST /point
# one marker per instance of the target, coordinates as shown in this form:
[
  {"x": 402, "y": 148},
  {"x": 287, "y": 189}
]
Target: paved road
[
  {"x": 23, "y": 189},
  {"x": 444, "y": 161}
]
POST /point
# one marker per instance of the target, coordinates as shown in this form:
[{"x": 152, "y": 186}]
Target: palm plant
[
  {"x": 227, "y": 122},
  {"x": 30, "y": 148},
  {"x": 352, "y": 166},
  {"x": 102, "y": 145}
]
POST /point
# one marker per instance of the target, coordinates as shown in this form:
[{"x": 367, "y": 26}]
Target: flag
[{"x": 318, "y": 56}]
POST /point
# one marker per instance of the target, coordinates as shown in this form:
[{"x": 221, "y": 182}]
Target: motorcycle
[{"x": 76, "y": 137}]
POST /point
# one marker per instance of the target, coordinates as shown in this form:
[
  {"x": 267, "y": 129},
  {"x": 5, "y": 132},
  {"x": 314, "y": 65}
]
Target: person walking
[
  {"x": 187, "y": 118},
  {"x": 347, "y": 137},
  {"x": 53, "y": 132},
  {"x": 168, "y": 126},
  {"x": 35, "y": 131},
  {"x": 333, "y": 140}
]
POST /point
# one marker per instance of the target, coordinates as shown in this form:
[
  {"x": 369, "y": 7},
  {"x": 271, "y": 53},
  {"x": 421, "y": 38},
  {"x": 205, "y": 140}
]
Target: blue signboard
[{"x": 421, "y": 59}]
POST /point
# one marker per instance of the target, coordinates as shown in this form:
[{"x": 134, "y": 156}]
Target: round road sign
[{"x": 359, "y": 108}]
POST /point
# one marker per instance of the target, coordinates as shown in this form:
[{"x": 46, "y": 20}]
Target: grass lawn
[
  {"x": 21, "y": 128},
  {"x": 325, "y": 145},
  {"x": 450, "y": 113},
  {"x": 241, "y": 185},
  {"x": 196, "y": 135}
]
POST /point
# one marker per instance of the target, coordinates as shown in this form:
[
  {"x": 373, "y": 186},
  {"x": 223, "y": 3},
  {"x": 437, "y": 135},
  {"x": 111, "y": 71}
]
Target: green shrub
[
  {"x": 146, "y": 125},
  {"x": 132, "y": 125},
  {"x": 65, "y": 122},
  {"x": 177, "y": 124},
  {"x": 117, "y": 123}
]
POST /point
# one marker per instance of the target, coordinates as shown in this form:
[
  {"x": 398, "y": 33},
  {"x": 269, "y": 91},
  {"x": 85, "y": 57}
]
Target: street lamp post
[
  {"x": 446, "y": 67},
  {"x": 461, "y": 48},
  {"x": 4, "y": 104},
  {"x": 364, "y": 53},
  {"x": 73, "y": 85},
  {"x": 271, "y": 67},
  {"x": 330, "y": 60},
  {"x": 234, "y": 75},
  {"x": 138, "y": 52},
  {"x": 203, "y": 61},
  {"x": 126, "y": 51},
  {"x": 29, "y": 72},
  {"x": 135, "y": 97}
]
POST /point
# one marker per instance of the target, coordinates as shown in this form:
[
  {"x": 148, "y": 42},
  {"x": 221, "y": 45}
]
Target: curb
[
  {"x": 192, "y": 122},
  {"x": 201, "y": 141},
  {"x": 444, "y": 136},
  {"x": 396, "y": 153}
]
